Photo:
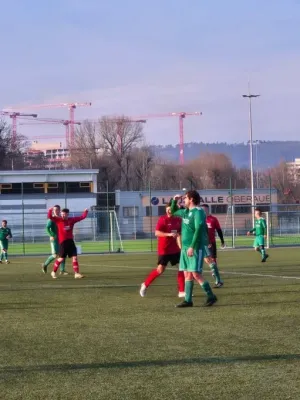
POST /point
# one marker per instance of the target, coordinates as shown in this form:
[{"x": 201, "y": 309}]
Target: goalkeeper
[
  {"x": 51, "y": 230},
  {"x": 194, "y": 239},
  {"x": 260, "y": 232}
]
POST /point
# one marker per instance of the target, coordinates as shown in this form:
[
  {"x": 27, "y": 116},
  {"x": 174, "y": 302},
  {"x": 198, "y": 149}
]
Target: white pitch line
[{"x": 259, "y": 275}]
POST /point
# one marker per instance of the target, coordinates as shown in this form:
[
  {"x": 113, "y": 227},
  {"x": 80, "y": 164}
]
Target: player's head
[
  {"x": 56, "y": 210},
  {"x": 168, "y": 208},
  {"x": 4, "y": 223},
  {"x": 64, "y": 213},
  {"x": 257, "y": 212},
  {"x": 205, "y": 208},
  {"x": 191, "y": 199}
]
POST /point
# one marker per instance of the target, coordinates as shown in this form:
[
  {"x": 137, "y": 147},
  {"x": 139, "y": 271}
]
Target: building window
[
  {"x": 75, "y": 187},
  {"x": 129, "y": 212},
  {"x": 38, "y": 185},
  {"x": 244, "y": 209},
  {"x": 6, "y": 186},
  {"x": 84, "y": 184},
  {"x": 52, "y": 185},
  {"x": 218, "y": 208},
  {"x": 149, "y": 211},
  {"x": 161, "y": 210}
]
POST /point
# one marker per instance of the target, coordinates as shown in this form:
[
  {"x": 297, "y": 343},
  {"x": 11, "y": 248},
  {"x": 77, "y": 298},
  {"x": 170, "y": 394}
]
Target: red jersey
[
  {"x": 65, "y": 226},
  {"x": 168, "y": 245},
  {"x": 213, "y": 225}
]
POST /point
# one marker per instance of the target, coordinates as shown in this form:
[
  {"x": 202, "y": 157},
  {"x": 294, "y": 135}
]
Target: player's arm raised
[
  {"x": 81, "y": 217},
  {"x": 175, "y": 210}
]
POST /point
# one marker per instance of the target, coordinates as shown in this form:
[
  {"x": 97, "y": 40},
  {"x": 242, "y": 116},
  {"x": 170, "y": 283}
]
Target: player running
[
  {"x": 51, "y": 230},
  {"x": 193, "y": 239},
  {"x": 5, "y": 235},
  {"x": 260, "y": 232},
  {"x": 67, "y": 247},
  {"x": 167, "y": 230},
  {"x": 210, "y": 257}
]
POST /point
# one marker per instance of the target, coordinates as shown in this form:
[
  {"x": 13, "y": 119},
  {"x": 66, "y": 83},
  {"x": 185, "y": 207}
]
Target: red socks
[
  {"x": 180, "y": 281},
  {"x": 151, "y": 277},
  {"x": 56, "y": 265},
  {"x": 76, "y": 267}
]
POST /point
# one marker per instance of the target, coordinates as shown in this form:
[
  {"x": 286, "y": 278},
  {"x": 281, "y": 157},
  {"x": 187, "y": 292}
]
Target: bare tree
[{"x": 85, "y": 151}]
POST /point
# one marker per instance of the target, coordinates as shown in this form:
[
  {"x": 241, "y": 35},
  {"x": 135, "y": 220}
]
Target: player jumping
[
  {"x": 210, "y": 258},
  {"x": 193, "y": 239},
  {"x": 260, "y": 232},
  {"x": 167, "y": 230},
  {"x": 51, "y": 230},
  {"x": 5, "y": 235},
  {"x": 67, "y": 247}
]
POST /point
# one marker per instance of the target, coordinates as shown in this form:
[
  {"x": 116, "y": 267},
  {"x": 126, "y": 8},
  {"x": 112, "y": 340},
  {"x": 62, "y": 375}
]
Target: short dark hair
[
  {"x": 56, "y": 206},
  {"x": 4, "y": 220},
  {"x": 205, "y": 205},
  {"x": 258, "y": 209},
  {"x": 193, "y": 195},
  {"x": 65, "y": 210}
]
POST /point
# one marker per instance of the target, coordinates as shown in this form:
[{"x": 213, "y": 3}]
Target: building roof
[{"x": 49, "y": 172}]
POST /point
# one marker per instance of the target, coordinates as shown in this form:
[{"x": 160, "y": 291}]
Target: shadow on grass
[{"x": 150, "y": 363}]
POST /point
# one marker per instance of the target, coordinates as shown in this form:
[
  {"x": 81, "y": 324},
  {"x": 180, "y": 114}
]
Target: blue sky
[{"x": 138, "y": 57}]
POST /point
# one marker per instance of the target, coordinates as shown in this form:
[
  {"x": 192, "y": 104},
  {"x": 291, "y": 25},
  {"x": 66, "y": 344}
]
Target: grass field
[
  {"x": 96, "y": 338},
  {"x": 139, "y": 245}
]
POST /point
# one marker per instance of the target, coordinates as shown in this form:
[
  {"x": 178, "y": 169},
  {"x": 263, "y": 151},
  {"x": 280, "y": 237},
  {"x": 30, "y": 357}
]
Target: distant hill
[{"x": 267, "y": 154}]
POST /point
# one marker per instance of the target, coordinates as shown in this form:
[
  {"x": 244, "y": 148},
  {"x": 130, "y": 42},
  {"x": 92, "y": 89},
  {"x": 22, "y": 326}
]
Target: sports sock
[
  {"x": 180, "y": 281},
  {"x": 1, "y": 256},
  {"x": 49, "y": 260},
  {"x": 189, "y": 291},
  {"x": 151, "y": 277},
  {"x": 263, "y": 253},
  {"x": 215, "y": 272},
  {"x": 62, "y": 266},
  {"x": 56, "y": 265},
  {"x": 5, "y": 255},
  {"x": 76, "y": 267},
  {"x": 207, "y": 289}
]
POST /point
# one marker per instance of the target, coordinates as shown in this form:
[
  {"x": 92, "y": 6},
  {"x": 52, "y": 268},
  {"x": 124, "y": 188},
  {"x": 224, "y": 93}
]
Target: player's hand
[
  {"x": 86, "y": 209},
  {"x": 52, "y": 238},
  {"x": 173, "y": 235},
  {"x": 177, "y": 197},
  {"x": 209, "y": 246},
  {"x": 8, "y": 237},
  {"x": 248, "y": 233},
  {"x": 190, "y": 252}
]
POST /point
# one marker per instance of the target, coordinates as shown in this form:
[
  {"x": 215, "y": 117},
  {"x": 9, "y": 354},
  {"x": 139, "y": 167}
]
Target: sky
[{"x": 139, "y": 57}]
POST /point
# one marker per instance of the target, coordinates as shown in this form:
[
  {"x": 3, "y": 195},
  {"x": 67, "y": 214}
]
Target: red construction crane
[
  {"x": 64, "y": 122},
  {"x": 181, "y": 116},
  {"x": 71, "y": 107},
  {"x": 14, "y": 115}
]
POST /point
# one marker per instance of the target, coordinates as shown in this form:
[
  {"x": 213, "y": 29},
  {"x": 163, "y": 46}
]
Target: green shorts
[
  {"x": 259, "y": 241},
  {"x": 3, "y": 244},
  {"x": 54, "y": 246},
  {"x": 191, "y": 264}
]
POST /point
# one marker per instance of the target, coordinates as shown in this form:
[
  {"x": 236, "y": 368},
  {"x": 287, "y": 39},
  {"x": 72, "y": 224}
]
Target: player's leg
[
  {"x": 62, "y": 254},
  {"x": 162, "y": 262},
  {"x": 174, "y": 260},
  {"x": 261, "y": 242},
  {"x": 189, "y": 281},
  {"x": 72, "y": 253},
  {"x": 4, "y": 251},
  {"x": 52, "y": 257},
  {"x": 214, "y": 266},
  {"x": 196, "y": 266},
  {"x": 1, "y": 251}
]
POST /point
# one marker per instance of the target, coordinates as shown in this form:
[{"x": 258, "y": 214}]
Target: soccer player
[
  {"x": 213, "y": 225},
  {"x": 260, "y": 232},
  {"x": 167, "y": 230},
  {"x": 67, "y": 247},
  {"x": 193, "y": 240},
  {"x": 5, "y": 234},
  {"x": 51, "y": 230}
]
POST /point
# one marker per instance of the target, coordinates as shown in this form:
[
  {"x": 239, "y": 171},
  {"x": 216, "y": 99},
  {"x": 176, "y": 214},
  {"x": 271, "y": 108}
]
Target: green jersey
[
  {"x": 4, "y": 232},
  {"x": 193, "y": 229},
  {"x": 51, "y": 228},
  {"x": 260, "y": 227}
]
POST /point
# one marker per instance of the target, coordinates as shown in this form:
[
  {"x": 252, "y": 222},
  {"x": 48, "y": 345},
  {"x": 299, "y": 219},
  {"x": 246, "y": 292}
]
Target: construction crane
[
  {"x": 14, "y": 115},
  {"x": 67, "y": 123},
  {"x": 71, "y": 107},
  {"x": 181, "y": 116}
]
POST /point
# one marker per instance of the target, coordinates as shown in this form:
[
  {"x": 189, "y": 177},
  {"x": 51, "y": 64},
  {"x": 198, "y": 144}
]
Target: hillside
[{"x": 267, "y": 154}]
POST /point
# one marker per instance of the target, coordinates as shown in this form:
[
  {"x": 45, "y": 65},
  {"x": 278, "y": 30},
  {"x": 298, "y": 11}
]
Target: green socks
[
  {"x": 207, "y": 289},
  {"x": 263, "y": 253},
  {"x": 62, "y": 266},
  {"x": 188, "y": 287},
  {"x": 49, "y": 260},
  {"x": 215, "y": 272},
  {"x": 5, "y": 255}
]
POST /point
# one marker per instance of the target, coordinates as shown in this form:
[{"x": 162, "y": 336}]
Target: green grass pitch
[{"x": 96, "y": 338}]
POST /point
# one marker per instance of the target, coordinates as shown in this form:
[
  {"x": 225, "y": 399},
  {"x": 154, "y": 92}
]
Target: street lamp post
[{"x": 250, "y": 96}]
